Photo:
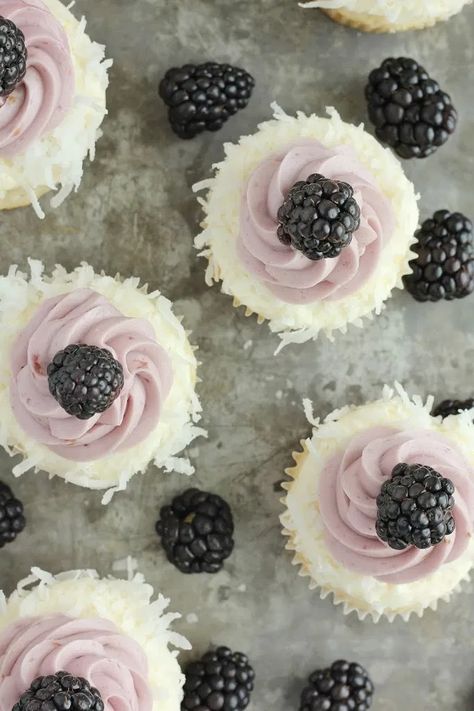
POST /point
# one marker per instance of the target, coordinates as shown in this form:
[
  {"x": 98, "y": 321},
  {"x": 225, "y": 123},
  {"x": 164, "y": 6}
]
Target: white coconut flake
[
  {"x": 302, "y": 523},
  {"x": 19, "y": 298},
  {"x": 127, "y": 603},
  {"x": 298, "y": 323},
  {"x": 57, "y": 158}
]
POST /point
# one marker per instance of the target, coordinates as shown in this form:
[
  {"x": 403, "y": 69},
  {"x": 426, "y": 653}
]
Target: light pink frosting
[
  {"x": 40, "y": 102},
  {"x": 93, "y": 649},
  {"x": 84, "y": 316},
  {"x": 351, "y": 482},
  {"x": 288, "y": 273}
]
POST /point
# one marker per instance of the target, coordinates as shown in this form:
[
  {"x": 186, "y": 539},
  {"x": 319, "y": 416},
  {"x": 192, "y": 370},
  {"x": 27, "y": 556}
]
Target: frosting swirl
[
  {"x": 349, "y": 486},
  {"x": 93, "y": 649},
  {"x": 288, "y": 273},
  {"x": 40, "y": 102},
  {"x": 84, "y": 316}
]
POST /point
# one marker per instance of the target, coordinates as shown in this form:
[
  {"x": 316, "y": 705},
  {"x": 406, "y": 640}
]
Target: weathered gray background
[{"x": 135, "y": 213}]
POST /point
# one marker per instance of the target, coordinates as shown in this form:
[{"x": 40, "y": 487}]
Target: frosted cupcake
[
  {"x": 104, "y": 643},
  {"x": 97, "y": 377},
  {"x": 380, "y": 508},
  {"x": 388, "y": 15},
  {"x": 53, "y": 82},
  {"x": 308, "y": 224}
]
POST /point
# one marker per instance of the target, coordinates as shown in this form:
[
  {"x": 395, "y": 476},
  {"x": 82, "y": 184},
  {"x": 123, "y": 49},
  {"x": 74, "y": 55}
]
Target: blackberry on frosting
[
  {"x": 319, "y": 217},
  {"x": 415, "y": 507},
  {"x": 13, "y": 55},
  {"x": 85, "y": 380},
  {"x": 60, "y": 692}
]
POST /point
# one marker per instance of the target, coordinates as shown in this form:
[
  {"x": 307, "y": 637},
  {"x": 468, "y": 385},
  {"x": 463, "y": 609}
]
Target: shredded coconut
[{"x": 404, "y": 12}]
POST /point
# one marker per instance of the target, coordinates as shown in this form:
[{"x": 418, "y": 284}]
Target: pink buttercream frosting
[
  {"x": 351, "y": 482},
  {"x": 93, "y": 649},
  {"x": 84, "y": 316},
  {"x": 288, "y": 273},
  {"x": 40, "y": 102}
]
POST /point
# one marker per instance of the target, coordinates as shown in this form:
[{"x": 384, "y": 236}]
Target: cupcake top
[
  {"x": 107, "y": 631},
  {"x": 300, "y": 291},
  {"x": 44, "y": 96},
  {"x": 395, "y": 11},
  {"x": 333, "y": 506},
  {"x": 130, "y": 354}
]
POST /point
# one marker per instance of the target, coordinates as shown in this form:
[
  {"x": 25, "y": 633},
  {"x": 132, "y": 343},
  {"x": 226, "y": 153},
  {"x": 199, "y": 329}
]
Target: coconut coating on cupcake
[
  {"x": 331, "y": 506},
  {"x": 388, "y": 15},
  {"x": 50, "y": 123},
  {"x": 154, "y": 415},
  {"x": 108, "y": 631},
  {"x": 300, "y": 297}
]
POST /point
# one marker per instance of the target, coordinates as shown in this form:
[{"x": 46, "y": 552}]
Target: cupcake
[
  {"x": 308, "y": 224},
  {"x": 380, "y": 509},
  {"x": 388, "y": 15},
  {"x": 97, "y": 377},
  {"x": 102, "y": 639},
  {"x": 52, "y": 101}
]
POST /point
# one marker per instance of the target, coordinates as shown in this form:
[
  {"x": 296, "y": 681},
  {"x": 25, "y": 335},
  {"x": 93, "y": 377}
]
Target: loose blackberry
[
  {"x": 85, "y": 380},
  {"x": 408, "y": 109},
  {"x": 341, "y": 687},
  {"x": 12, "y": 520},
  {"x": 444, "y": 266},
  {"x": 60, "y": 692},
  {"x": 13, "y": 55},
  {"x": 452, "y": 407},
  {"x": 415, "y": 507},
  {"x": 319, "y": 217},
  {"x": 202, "y": 97},
  {"x": 219, "y": 680},
  {"x": 196, "y": 531}
]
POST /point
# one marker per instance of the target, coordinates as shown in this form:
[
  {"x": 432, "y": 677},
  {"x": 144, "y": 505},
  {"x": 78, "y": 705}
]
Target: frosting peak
[
  {"x": 84, "y": 316},
  {"x": 93, "y": 649},
  {"x": 349, "y": 486},
  {"x": 289, "y": 274},
  {"x": 40, "y": 102}
]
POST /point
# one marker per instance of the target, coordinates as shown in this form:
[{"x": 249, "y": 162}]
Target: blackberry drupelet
[
  {"x": 220, "y": 680},
  {"x": 202, "y": 97},
  {"x": 60, "y": 692},
  {"x": 408, "y": 109},
  {"x": 319, "y": 217},
  {"x": 444, "y": 266},
  {"x": 12, "y": 519},
  {"x": 343, "y": 686},
  {"x": 415, "y": 507},
  {"x": 13, "y": 56},
  {"x": 85, "y": 380},
  {"x": 452, "y": 407},
  {"x": 196, "y": 531}
]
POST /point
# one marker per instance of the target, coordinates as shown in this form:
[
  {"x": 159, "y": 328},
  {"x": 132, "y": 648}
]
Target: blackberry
[
  {"x": 202, "y": 97},
  {"x": 444, "y": 266},
  {"x": 318, "y": 217},
  {"x": 12, "y": 520},
  {"x": 343, "y": 686},
  {"x": 13, "y": 55},
  {"x": 60, "y": 692},
  {"x": 452, "y": 407},
  {"x": 415, "y": 507},
  {"x": 408, "y": 109},
  {"x": 219, "y": 680},
  {"x": 85, "y": 380},
  {"x": 196, "y": 531}
]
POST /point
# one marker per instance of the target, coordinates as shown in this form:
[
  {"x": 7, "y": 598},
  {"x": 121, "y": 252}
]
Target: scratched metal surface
[{"x": 135, "y": 213}]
